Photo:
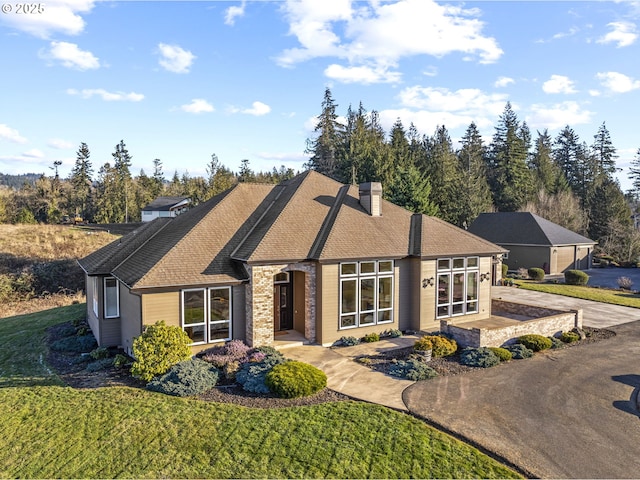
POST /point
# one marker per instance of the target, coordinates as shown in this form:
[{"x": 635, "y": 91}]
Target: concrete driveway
[{"x": 569, "y": 413}]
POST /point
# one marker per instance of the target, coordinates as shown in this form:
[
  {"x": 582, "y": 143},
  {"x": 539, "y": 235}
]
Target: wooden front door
[{"x": 283, "y": 310}]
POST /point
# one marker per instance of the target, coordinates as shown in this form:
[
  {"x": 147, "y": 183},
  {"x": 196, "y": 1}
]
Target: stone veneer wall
[
  {"x": 547, "y": 322},
  {"x": 259, "y": 301}
]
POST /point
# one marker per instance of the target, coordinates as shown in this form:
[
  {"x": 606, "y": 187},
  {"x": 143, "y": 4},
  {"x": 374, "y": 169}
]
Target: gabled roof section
[
  {"x": 106, "y": 259},
  {"x": 355, "y": 234},
  {"x": 166, "y": 203},
  {"x": 290, "y": 227},
  {"x": 524, "y": 228},
  {"x": 195, "y": 247},
  {"x": 439, "y": 238}
]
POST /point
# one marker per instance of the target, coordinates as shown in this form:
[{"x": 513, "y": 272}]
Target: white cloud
[
  {"x": 467, "y": 101},
  {"x": 618, "y": 82},
  {"x": 258, "y": 109},
  {"x": 59, "y": 16},
  {"x": 175, "y": 59},
  {"x": 59, "y": 144},
  {"x": 502, "y": 82},
  {"x": 105, "y": 95},
  {"x": 197, "y": 105},
  {"x": 71, "y": 56},
  {"x": 34, "y": 153},
  {"x": 558, "y": 84},
  {"x": 381, "y": 34},
  {"x": 11, "y": 134},
  {"x": 557, "y": 116},
  {"x": 362, "y": 74},
  {"x": 623, "y": 34},
  {"x": 234, "y": 12}
]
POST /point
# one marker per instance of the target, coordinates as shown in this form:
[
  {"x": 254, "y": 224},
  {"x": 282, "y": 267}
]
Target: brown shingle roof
[{"x": 440, "y": 238}]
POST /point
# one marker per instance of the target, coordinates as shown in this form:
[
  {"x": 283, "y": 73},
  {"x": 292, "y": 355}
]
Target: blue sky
[{"x": 244, "y": 79}]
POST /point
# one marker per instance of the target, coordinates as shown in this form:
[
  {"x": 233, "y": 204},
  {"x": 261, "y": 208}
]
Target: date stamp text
[{"x": 22, "y": 8}]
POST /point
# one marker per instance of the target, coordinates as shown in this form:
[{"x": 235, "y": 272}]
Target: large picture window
[
  {"x": 111, "y": 298},
  {"x": 457, "y": 286},
  {"x": 94, "y": 294},
  {"x": 206, "y": 314},
  {"x": 366, "y": 293}
]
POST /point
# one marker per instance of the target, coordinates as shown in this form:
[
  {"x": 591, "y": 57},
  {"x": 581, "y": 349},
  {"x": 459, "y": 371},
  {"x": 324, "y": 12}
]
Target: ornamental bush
[
  {"x": 295, "y": 379},
  {"x": 519, "y": 351},
  {"x": 391, "y": 333},
  {"x": 536, "y": 274},
  {"x": 505, "y": 270},
  {"x": 78, "y": 344},
  {"x": 503, "y": 354},
  {"x": 479, "y": 357},
  {"x": 440, "y": 346},
  {"x": 100, "y": 364},
  {"x": 252, "y": 375},
  {"x": 569, "y": 337},
  {"x": 534, "y": 342},
  {"x": 159, "y": 348},
  {"x": 413, "y": 369},
  {"x": 556, "y": 342},
  {"x": 575, "y": 277},
  {"x": 371, "y": 337},
  {"x": 221, "y": 355},
  {"x": 348, "y": 341},
  {"x": 184, "y": 379}
]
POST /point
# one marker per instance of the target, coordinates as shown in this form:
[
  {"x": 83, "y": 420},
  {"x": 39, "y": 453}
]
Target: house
[
  {"x": 533, "y": 241},
  {"x": 165, "y": 207},
  {"x": 312, "y": 255}
]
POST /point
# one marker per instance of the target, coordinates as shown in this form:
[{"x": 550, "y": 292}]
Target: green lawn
[
  {"x": 51, "y": 431},
  {"x": 603, "y": 295}
]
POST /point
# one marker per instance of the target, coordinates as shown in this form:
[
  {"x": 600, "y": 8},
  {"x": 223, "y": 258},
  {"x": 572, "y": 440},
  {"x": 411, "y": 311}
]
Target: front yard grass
[
  {"x": 51, "y": 431},
  {"x": 604, "y": 295}
]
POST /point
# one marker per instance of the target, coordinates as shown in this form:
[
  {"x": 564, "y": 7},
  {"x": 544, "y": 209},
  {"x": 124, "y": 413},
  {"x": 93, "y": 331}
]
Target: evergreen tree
[
  {"x": 411, "y": 189},
  {"x": 219, "y": 177},
  {"x": 108, "y": 196},
  {"x": 122, "y": 166},
  {"x": 547, "y": 174},
  {"x": 324, "y": 148},
  {"x": 634, "y": 175},
  {"x": 509, "y": 177},
  {"x": 604, "y": 151},
  {"x": 475, "y": 196},
  {"x": 157, "y": 178},
  {"x": 246, "y": 174},
  {"x": 81, "y": 181},
  {"x": 607, "y": 204}
]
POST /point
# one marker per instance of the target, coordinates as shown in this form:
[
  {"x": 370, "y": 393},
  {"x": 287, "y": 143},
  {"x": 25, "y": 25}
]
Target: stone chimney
[{"x": 371, "y": 198}]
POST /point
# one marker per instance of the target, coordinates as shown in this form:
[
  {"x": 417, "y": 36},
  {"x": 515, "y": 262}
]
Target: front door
[{"x": 283, "y": 311}]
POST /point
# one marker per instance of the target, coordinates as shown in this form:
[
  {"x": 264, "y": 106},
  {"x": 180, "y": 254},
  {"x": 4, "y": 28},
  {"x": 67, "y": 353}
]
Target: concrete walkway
[{"x": 595, "y": 314}]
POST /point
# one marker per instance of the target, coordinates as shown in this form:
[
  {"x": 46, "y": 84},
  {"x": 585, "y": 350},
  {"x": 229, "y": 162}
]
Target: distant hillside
[{"x": 17, "y": 181}]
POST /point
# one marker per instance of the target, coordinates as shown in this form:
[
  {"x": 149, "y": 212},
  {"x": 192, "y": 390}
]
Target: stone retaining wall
[{"x": 548, "y": 322}]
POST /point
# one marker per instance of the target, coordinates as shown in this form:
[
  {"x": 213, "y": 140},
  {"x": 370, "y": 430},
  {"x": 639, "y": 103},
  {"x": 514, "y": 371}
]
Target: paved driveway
[{"x": 569, "y": 413}]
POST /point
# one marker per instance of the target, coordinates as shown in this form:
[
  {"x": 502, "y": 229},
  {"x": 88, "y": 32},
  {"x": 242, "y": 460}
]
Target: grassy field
[
  {"x": 51, "y": 431},
  {"x": 604, "y": 295}
]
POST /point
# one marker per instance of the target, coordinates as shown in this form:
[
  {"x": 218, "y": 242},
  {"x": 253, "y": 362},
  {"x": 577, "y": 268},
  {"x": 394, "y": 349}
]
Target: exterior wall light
[{"x": 427, "y": 282}]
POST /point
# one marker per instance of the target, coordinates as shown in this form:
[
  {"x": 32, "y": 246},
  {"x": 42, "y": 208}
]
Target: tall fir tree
[
  {"x": 122, "y": 167},
  {"x": 509, "y": 176},
  {"x": 547, "y": 175},
  {"x": 607, "y": 204},
  {"x": 634, "y": 175},
  {"x": 604, "y": 152},
  {"x": 81, "y": 179},
  {"x": 324, "y": 147},
  {"x": 157, "y": 178}
]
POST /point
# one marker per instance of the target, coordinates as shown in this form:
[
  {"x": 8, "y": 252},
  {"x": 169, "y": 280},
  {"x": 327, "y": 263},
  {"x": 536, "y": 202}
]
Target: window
[
  {"x": 206, "y": 314},
  {"x": 111, "y": 298},
  {"x": 94, "y": 295},
  {"x": 457, "y": 286},
  {"x": 366, "y": 293}
]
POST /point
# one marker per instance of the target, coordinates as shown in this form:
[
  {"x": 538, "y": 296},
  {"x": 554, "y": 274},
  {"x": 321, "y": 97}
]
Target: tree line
[{"x": 562, "y": 179}]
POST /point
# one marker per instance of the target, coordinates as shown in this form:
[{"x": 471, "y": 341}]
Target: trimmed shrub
[
  {"x": 159, "y": 348},
  {"x": 556, "y": 342},
  {"x": 185, "y": 379},
  {"x": 371, "y": 337},
  {"x": 534, "y": 342},
  {"x": 519, "y": 351},
  {"x": 575, "y": 277},
  {"x": 440, "y": 346},
  {"x": 505, "y": 270},
  {"x": 569, "y": 337},
  {"x": 98, "y": 353},
  {"x": 391, "y": 333},
  {"x": 625, "y": 283},
  {"x": 348, "y": 341},
  {"x": 536, "y": 274},
  {"x": 252, "y": 375},
  {"x": 100, "y": 364},
  {"x": 479, "y": 357},
  {"x": 120, "y": 361},
  {"x": 503, "y": 354},
  {"x": 67, "y": 330},
  {"x": 81, "y": 344},
  {"x": 295, "y": 379},
  {"x": 412, "y": 369}
]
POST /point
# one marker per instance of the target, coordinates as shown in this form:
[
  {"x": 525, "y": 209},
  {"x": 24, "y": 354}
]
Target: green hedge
[
  {"x": 535, "y": 342},
  {"x": 575, "y": 277},
  {"x": 536, "y": 274},
  {"x": 502, "y": 353},
  {"x": 295, "y": 379}
]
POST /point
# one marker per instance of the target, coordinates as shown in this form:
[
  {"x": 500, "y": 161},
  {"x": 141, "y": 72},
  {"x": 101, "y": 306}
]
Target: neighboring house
[
  {"x": 533, "y": 241},
  {"x": 310, "y": 254},
  {"x": 165, "y": 207}
]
